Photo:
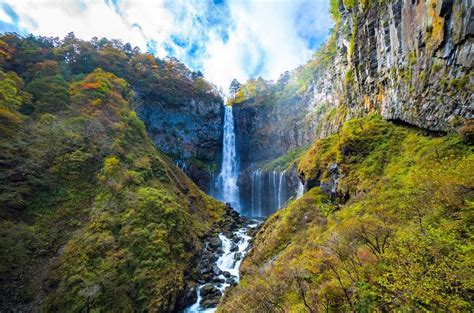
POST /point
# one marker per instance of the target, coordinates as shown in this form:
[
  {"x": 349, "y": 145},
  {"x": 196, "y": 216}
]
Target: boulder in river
[
  {"x": 216, "y": 270},
  {"x": 215, "y": 243},
  {"x": 210, "y": 295},
  {"x": 218, "y": 280},
  {"x": 234, "y": 247},
  {"x": 231, "y": 281},
  {"x": 238, "y": 256}
]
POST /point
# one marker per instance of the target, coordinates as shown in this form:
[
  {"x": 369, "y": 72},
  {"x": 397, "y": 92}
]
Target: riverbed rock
[
  {"x": 234, "y": 247},
  {"x": 205, "y": 270},
  {"x": 211, "y": 296},
  {"x": 231, "y": 281},
  {"x": 238, "y": 256},
  {"x": 210, "y": 302},
  {"x": 207, "y": 290},
  {"x": 218, "y": 280},
  {"x": 188, "y": 297},
  {"x": 216, "y": 270},
  {"x": 215, "y": 243}
]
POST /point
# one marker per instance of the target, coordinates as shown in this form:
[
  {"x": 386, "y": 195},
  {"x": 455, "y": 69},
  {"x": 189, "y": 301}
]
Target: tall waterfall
[{"x": 227, "y": 179}]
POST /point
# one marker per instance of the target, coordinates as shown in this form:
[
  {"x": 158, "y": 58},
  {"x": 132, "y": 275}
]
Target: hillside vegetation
[
  {"x": 396, "y": 234},
  {"x": 93, "y": 217}
]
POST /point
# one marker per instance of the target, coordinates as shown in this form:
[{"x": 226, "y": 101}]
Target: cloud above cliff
[{"x": 225, "y": 39}]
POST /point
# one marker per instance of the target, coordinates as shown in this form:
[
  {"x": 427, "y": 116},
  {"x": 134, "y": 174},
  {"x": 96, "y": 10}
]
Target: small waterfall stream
[
  {"x": 270, "y": 190},
  {"x": 228, "y": 265}
]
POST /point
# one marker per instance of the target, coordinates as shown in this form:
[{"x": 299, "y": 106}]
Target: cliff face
[
  {"x": 266, "y": 132},
  {"x": 408, "y": 60},
  {"x": 190, "y": 133}
]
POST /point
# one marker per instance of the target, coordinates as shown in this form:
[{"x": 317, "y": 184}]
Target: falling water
[
  {"x": 299, "y": 190},
  {"x": 256, "y": 179},
  {"x": 270, "y": 190},
  {"x": 275, "y": 187},
  {"x": 181, "y": 165},
  {"x": 281, "y": 199},
  {"x": 227, "y": 179}
]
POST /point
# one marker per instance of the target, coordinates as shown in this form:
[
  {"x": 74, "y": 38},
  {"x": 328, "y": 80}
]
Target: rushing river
[{"x": 229, "y": 265}]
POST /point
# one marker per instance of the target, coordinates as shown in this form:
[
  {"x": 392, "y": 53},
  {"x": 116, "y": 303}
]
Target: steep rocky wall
[
  {"x": 409, "y": 60},
  {"x": 190, "y": 133},
  {"x": 266, "y": 132}
]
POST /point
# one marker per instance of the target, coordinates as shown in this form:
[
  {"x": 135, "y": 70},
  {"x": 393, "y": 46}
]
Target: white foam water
[
  {"x": 226, "y": 263},
  {"x": 227, "y": 179}
]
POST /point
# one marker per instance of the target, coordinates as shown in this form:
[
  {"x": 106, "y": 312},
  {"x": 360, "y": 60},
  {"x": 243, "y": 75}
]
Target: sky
[{"x": 224, "y": 39}]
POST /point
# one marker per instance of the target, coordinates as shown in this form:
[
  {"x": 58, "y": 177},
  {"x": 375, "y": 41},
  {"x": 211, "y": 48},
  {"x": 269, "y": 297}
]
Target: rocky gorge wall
[
  {"x": 191, "y": 134},
  {"x": 410, "y": 61}
]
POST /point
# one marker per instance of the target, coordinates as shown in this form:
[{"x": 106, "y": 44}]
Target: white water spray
[
  {"x": 227, "y": 179},
  {"x": 281, "y": 199},
  {"x": 299, "y": 190}
]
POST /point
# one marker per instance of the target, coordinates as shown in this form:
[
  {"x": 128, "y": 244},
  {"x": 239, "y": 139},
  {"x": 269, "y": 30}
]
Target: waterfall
[
  {"x": 212, "y": 184},
  {"x": 270, "y": 190},
  {"x": 181, "y": 165},
  {"x": 275, "y": 188},
  {"x": 300, "y": 189},
  {"x": 253, "y": 179},
  {"x": 281, "y": 199},
  {"x": 227, "y": 179}
]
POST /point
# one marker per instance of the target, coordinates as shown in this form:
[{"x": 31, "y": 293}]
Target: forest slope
[
  {"x": 93, "y": 216},
  {"x": 386, "y": 224}
]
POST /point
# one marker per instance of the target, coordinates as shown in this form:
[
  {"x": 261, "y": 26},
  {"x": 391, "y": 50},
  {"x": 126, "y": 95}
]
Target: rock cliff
[
  {"x": 410, "y": 61},
  {"x": 190, "y": 133}
]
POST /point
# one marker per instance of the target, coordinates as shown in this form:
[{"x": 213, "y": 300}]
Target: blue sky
[{"x": 225, "y": 39}]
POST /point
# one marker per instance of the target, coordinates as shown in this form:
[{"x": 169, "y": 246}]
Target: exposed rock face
[
  {"x": 190, "y": 133},
  {"x": 410, "y": 61},
  {"x": 266, "y": 132}
]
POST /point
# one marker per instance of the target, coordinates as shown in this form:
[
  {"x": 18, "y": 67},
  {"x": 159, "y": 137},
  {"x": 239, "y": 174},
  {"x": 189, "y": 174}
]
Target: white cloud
[
  {"x": 264, "y": 37},
  {"x": 4, "y": 17},
  {"x": 263, "y": 29},
  {"x": 87, "y": 19}
]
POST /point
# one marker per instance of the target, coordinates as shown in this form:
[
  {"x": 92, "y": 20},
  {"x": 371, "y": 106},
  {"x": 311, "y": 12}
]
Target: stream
[{"x": 225, "y": 273}]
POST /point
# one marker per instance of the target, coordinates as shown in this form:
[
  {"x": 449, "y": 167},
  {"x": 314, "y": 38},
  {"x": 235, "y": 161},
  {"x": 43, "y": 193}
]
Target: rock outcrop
[
  {"x": 191, "y": 133},
  {"x": 410, "y": 61}
]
